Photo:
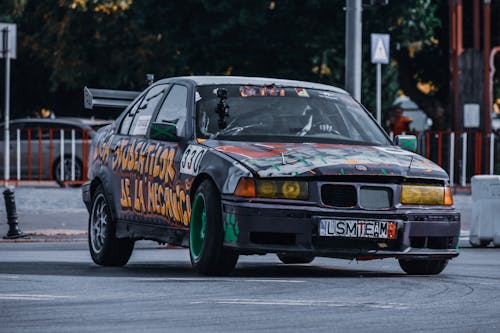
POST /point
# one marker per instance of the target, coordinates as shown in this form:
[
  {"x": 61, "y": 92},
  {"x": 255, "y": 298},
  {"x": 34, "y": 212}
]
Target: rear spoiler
[{"x": 107, "y": 98}]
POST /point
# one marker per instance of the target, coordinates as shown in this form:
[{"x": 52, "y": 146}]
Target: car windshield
[{"x": 284, "y": 114}]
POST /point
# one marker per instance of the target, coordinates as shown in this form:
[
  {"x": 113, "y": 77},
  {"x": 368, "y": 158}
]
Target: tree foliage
[{"x": 66, "y": 44}]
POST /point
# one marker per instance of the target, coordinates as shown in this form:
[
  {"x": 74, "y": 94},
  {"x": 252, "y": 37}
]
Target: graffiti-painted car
[{"x": 230, "y": 166}]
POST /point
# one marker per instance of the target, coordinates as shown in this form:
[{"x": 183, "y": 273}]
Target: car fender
[{"x": 224, "y": 171}]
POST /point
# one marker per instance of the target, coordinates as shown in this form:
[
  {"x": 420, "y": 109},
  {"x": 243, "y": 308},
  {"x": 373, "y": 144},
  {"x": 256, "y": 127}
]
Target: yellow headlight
[
  {"x": 267, "y": 189},
  {"x": 279, "y": 189},
  {"x": 425, "y": 195},
  {"x": 290, "y": 189}
]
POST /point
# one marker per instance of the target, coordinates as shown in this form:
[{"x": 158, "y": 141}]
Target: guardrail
[{"x": 48, "y": 155}]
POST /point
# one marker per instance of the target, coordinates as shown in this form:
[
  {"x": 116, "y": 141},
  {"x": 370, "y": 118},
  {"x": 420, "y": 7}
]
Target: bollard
[{"x": 10, "y": 207}]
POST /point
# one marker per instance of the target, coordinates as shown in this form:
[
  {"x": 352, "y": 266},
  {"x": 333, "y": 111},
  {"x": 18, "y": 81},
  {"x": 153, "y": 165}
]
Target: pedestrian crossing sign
[{"x": 380, "y": 48}]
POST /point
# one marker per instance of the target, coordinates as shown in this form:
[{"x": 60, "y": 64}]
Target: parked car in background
[
  {"x": 37, "y": 152},
  {"x": 495, "y": 123}
]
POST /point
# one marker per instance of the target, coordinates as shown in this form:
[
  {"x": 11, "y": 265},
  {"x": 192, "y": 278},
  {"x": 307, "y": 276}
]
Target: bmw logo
[{"x": 361, "y": 167}]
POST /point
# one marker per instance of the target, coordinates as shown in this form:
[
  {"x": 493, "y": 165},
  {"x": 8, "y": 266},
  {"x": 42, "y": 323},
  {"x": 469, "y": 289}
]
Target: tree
[
  {"x": 66, "y": 44},
  {"x": 419, "y": 52}
]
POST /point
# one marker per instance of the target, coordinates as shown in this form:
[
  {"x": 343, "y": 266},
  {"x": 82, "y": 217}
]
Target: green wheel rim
[{"x": 198, "y": 226}]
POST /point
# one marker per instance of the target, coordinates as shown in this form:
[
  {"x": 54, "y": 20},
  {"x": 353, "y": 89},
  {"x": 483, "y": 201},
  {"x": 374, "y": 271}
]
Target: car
[
  {"x": 38, "y": 151},
  {"x": 495, "y": 123},
  {"x": 230, "y": 166}
]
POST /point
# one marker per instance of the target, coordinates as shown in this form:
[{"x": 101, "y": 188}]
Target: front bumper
[{"x": 284, "y": 228}]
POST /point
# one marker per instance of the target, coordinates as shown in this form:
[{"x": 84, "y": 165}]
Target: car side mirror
[
  {"x": 407, "y": 142},
  {"x": 164, "y": 132}
]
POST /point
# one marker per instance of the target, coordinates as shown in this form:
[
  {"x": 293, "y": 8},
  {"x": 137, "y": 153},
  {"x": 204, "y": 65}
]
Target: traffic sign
[
  {"x": 380, "y": 48},
  {"x": 12, "y": 36}
]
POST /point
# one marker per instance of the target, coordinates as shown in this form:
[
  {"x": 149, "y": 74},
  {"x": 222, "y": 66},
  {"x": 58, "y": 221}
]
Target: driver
[{"x": 314, "y": 123}]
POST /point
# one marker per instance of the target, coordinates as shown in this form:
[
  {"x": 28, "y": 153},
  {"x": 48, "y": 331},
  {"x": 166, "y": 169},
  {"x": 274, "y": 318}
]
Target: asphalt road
[{"x": 54, "y": 287}]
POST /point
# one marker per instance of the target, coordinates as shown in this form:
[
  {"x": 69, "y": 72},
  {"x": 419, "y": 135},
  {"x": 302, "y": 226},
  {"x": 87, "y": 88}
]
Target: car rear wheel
[
  {"x": 60, "y": 178},
  {"x": 294, "y": 258},
  {"x": 105, "y": 248},
  {"x": 206, "y": 234},
  {"x": 423, "y": 266}
]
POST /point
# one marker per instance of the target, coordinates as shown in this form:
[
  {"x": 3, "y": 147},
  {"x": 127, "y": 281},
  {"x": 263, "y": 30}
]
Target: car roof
[
  {"x": 65, "y": 121},
  {"x": 245, "y": 80}
]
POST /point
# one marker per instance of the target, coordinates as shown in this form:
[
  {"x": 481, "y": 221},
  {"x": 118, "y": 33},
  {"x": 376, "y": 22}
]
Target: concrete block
[{"x": 485, "y": 222}]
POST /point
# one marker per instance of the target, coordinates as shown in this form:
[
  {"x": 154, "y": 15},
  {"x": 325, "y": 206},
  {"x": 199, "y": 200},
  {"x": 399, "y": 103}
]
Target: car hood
[{"x": 306, "y": 159}]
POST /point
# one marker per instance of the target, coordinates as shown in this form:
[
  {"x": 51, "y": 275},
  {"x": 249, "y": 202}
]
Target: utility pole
[
  {"x": 5, "y": 40},
  {"x": 486, "y": 54},
  {"x": 7, "y": 51},
  {"x": 353, "y": 36}
]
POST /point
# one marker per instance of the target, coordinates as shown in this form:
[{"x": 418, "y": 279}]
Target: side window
[
  {"x": 67, "y": 131},
  {"x": 32, "y": 131},
  {"x": 174, "y": 108},
  {"x": 148, "y": 105},
  {"x": 127, "y": 120}
]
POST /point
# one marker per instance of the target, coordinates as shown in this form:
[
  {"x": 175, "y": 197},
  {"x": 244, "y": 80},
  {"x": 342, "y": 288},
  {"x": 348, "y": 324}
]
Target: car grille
[
  {"x": 339, "y": 195},
  {"x": 371, "y": 197},
  {"x": 346, "y": 196}
]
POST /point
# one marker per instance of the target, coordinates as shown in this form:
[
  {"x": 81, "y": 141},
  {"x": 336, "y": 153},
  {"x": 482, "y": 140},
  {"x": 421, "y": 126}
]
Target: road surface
[{"x": 54, "y": 287}]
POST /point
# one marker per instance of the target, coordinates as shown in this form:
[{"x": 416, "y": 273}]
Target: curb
[{"x": 50, "y": 235}]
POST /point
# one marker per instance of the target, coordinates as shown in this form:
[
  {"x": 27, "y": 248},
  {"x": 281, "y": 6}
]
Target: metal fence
[
  {"x": 61, "y": 154},
  {"x": 48, "y": 155},
  {"x": 461, "y": 154}
]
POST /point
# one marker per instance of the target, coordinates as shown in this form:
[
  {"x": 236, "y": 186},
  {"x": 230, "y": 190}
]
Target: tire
[
  {"x": 67, "y": 171},
  {"x": 206, "y": 234},
  {"x": 105, "y": 248},
  {"x": 482, "y": 243},
  {"x": 295, "y": 259},
  {"x": 423, "y": 266}
]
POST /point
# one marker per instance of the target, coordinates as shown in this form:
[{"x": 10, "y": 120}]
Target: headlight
[
  {"x": 279, "y": 189},
  {"x": 426, "y": 195}
]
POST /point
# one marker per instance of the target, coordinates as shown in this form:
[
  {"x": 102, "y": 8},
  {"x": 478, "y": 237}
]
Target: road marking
[
  {"x": 218, "y": 280},
  {"x": 488, "y": 283},
  {"x": 31, "y": 297},
  {"x": 274, "y": 281},
  {"x": 310, "y": 303}
]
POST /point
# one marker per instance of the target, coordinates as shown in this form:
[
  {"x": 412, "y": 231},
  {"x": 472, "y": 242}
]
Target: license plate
[{"x": 357, "y": 228}]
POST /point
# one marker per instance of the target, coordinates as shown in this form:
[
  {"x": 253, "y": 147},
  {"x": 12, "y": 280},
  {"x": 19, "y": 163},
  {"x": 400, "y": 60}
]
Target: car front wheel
[
  {"x": 105, "y": 248},
  {"x": 423, "y": 266},
  {"x": 206, "y": 234}
]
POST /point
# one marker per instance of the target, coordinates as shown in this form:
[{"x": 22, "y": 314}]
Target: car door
[
  {"x": 30, "y": 150},
  {"x": 131, "y": 151},
  {"x": 170, "y": 190}
]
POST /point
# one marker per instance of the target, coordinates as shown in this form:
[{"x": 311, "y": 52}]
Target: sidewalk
[
  {"x": 48, "y": 213},
  {"x": 53, "y": 213}
]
